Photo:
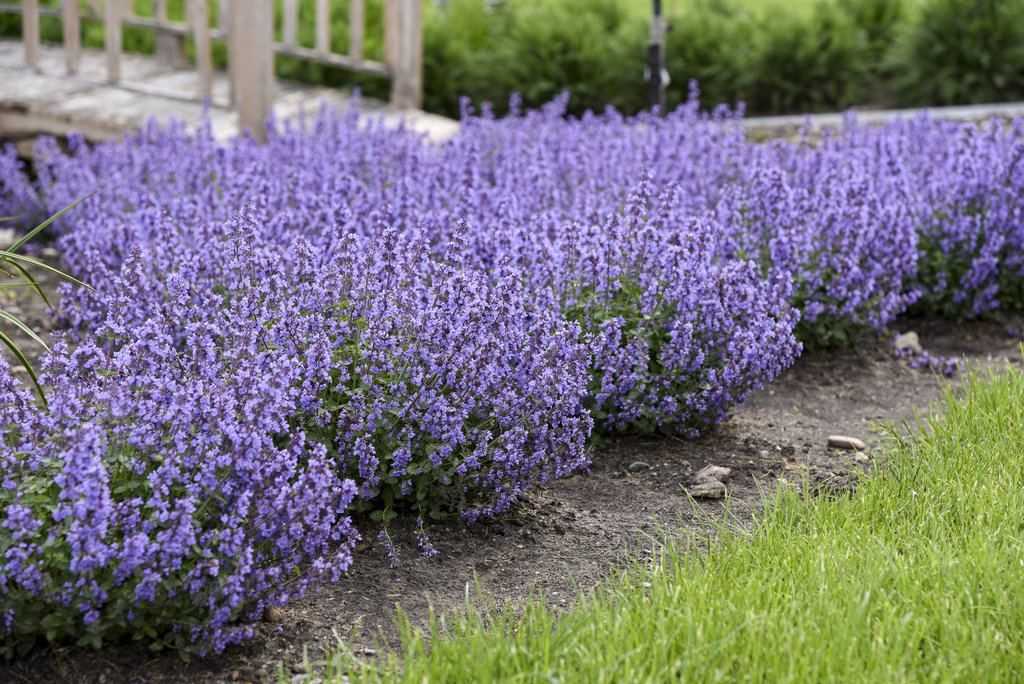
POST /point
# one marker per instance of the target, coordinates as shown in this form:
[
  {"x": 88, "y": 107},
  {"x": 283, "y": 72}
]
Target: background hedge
[{"x": 778, "y": 57}]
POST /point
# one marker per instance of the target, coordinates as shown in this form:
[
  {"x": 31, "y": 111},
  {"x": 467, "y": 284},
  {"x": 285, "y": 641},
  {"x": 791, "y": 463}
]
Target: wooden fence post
[
  {"x": 224, "y": 9},
  {"x": 199, "y": 19},
  {"x": 30, "y": 31},
  {"x": 406, "y": 49},
  {"x": 290, "y": 23},
  {"x": 356, "y": 24},
  {"x": 251, "y": 58},
  {"x": 170, "y": 46},
  {"x": 391, "y": 33},
  {"x": 323, "y": 26},
  {"x": 72, "y": 36},
  {"x": 112, "y": 39}
]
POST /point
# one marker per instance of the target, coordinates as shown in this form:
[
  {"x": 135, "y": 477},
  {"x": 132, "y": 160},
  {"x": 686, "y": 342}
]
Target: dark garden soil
[{"x": 573, "y": 530}]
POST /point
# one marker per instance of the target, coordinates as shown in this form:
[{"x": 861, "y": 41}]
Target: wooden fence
[{"x": 248, "y": 28}]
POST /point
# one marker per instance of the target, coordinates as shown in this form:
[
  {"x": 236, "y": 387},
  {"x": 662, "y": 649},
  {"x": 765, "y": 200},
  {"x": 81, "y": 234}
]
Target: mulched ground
[{"x": 572, "y": 531}]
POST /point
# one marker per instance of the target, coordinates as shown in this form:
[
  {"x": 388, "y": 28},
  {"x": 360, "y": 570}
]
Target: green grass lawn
[{"x": 916, "y": 577}]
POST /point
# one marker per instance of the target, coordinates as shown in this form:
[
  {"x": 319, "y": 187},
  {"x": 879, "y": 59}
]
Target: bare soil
[{"x": 570, "y": 533}]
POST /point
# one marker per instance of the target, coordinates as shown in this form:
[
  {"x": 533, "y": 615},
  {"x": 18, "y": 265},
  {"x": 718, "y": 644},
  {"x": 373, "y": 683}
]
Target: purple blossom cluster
[
  {"x": 943, "y": 365},
  {"x": 351, "y": 318},
  {"x": 17, "y": 196},
  {"x": 165, "y": 492},
  {"x": 210, "y": 434},
  {"x": 677, "y": 334}
]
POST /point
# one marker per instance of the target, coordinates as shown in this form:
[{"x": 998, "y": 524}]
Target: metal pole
[{"x": 657, "y": 77}]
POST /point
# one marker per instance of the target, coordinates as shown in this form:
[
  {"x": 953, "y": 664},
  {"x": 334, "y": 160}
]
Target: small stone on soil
[
  {"x": 843, "y": 442},
  {"x": 708, "y": 490},
  {"x": 637, "y": 466},
  {"x": 712, "y": 473},
  {"x": 272, "y": 614},
  {"x": 910, "y": 342},
  {"x": 7, "y": 237}
]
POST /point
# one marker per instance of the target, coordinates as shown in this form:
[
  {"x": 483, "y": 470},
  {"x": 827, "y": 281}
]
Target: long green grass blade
[
  {"x": 35, "y": 231},
  {"x": 24, "y": 328},
  {"x": 20, "y": 355},
  {"x": 4, "y": 254},
  {"x": 30, "y": 281}
]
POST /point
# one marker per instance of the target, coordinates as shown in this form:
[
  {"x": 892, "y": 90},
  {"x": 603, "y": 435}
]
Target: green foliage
[
  {"x": 905, "y": 580},
  {"x": 122, "y": 618},
  {"x": 778, "y": 57},
  {"x": 809, "y": 64},
  {"x": 13, "y": 265},
  {"x": 961, "y": 51},
  {"x": 592, "y": 48},
  {"x": 878, "y": 22},
  {"x": 711, "y": 41},
  {"x": 592, "y": 309},
  {"x": 431, "y": 490}
]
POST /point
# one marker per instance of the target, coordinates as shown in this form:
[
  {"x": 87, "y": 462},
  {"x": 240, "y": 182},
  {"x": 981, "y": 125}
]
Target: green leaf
[
  {"x": 29, "y": 281},
  {"x": 7, "y": 254},
  {"x": 35, "y": 231},
  {"x": 24, "y": 361},
  {"x": 24, "y": 328}
]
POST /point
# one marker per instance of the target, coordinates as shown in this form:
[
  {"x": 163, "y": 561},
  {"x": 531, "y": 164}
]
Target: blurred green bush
[
  {"x": 960, "y": 52},
  {"x": 785, "y": 57}
]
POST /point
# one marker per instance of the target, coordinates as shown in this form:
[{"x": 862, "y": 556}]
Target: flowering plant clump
[
  {"x": 17, "y": 196},
  {"x": 208, "y": 439},
  {"x": 429, "y": 385},
  {"x": 846, "y": 241},
  {"x": 446, "y": 394},
  {"x": 972, "y": 218},
  {"x": 678, "y": 335},
  {"x": 164, "y": 494}
]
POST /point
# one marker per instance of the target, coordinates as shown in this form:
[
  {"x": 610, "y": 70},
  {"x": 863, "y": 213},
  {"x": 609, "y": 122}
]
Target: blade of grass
[
  {"x": 29, "y": 281},
  {"x": 39, "y": 264},
  {"x": 28, "y": 331},
  {"x": 35, "y": 231},
  {"x": 25, "y": 363}
]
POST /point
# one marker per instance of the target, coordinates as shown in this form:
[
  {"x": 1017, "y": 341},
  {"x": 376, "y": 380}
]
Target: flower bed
[{"x": 347, "y": 319}]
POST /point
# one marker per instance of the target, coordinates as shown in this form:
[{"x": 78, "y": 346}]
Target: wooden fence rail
[{"x": 248, "y": 28}]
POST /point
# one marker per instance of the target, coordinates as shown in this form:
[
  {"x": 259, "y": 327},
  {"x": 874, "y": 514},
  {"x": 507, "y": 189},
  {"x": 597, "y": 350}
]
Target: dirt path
[{"x": 575, "y": 529}]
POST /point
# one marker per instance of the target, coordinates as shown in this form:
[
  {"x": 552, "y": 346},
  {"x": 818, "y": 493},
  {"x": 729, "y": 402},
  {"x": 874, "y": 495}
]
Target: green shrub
[
  {"x": 811, "y": 64},
  {"x": 879, "y": 22},
  {"x": 592, "y": 48},
  {"x": 712, "y": 42},
  {"x": 961, "y": 51}
]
